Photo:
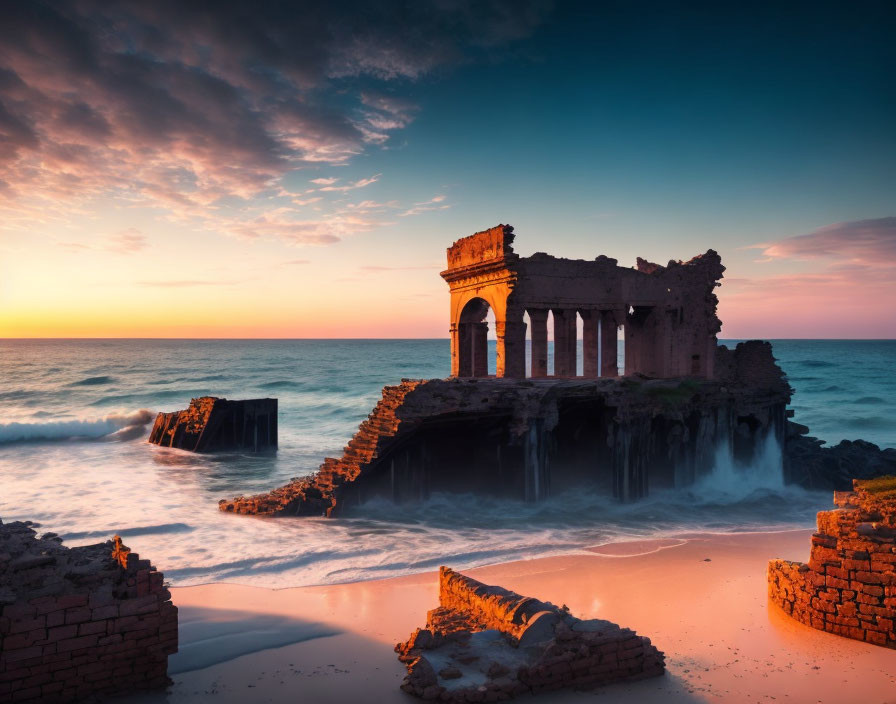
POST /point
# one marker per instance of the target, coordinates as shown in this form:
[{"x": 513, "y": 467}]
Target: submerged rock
[
  {"x": 486, "y": 643},
  {"x": 211, "y": 424}
]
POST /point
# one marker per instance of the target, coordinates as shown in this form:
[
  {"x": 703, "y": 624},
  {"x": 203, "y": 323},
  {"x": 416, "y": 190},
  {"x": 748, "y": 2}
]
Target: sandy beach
[{"x": 701, "y": 598}]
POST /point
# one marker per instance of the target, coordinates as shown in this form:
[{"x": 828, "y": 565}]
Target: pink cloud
[{"x": 850, "y": 294}]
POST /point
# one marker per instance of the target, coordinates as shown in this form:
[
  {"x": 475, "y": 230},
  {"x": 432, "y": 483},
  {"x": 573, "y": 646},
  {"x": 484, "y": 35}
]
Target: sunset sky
[{"x": 235, "y": 169}]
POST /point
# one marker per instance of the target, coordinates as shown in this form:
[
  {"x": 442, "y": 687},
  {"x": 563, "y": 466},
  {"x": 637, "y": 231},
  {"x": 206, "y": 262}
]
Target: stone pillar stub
[
  {"x": 590, "y": 343},
  {"x": 539, "y": 321},
  {"x": 480, "y": 348}
]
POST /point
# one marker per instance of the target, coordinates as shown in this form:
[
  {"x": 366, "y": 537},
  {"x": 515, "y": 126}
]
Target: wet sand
[{"x": 701, "y": 598}]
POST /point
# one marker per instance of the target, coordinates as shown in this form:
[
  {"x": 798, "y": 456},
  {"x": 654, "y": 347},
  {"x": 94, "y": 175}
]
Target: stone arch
[{"x": 472, "y": 338}]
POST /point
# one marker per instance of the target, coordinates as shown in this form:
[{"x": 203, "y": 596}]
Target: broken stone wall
[
  {"x": 486, "y": 643},
  {"x": 211, "y": 424},
  {"x": 80, "y": 622},
  {"x": 849, "y": 585}
]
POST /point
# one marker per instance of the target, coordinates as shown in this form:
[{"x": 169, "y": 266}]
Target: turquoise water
[{"x": 74, "y": 416}]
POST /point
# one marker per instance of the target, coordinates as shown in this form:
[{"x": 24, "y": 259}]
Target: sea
[{"x": 75, "y": 416}]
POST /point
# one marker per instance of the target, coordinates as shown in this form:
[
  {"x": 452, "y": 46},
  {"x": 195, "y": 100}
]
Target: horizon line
[{"x": 384, "y": 339}]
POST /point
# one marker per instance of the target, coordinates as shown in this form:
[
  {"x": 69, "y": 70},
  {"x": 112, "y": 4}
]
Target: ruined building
[
  {"x": 521, "y": 433},
  {"x": 668, "y": 313}
]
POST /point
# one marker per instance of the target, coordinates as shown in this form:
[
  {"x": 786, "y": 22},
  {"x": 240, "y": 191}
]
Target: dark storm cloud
[{"x": 187, "y": 103}]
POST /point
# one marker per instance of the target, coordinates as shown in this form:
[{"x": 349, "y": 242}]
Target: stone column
[
  {"x": 572, "y": 340},
  {"x": 511, "y": 349},
  {"x": 455, "y": 351},
  {"x": 464, "y": 350},
  {"x": 539, "y": 321},
  {"x": 480, "y": 348},
  {"x": 561, "y": 343},
  {"x": 608, "y": 344},
  {"x": 589, "y": 343}
]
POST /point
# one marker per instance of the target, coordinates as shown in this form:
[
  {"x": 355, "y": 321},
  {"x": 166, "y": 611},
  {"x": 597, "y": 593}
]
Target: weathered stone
[
  {"x": 560, "y": 650},
  {"x": 211, "y": 424},
  {"x": 842, "y": 589},
  {"x": 668, "y": 313},
  {"x": 58, "y": 607}
]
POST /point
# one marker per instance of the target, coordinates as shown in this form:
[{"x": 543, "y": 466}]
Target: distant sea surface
[{"x": 75, "y": 414}]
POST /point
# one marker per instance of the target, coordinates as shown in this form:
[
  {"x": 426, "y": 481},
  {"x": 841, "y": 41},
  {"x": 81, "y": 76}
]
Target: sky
[{"x": 273, "y": 169}]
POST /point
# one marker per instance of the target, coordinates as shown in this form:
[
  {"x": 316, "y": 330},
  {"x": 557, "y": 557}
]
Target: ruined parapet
[
  {"x": 211, "y": 424},
  {"x": 849, "y": 585},
  {"x": 82, "y": 622},
  {"x": 526, "y": 439},
  {"x": 486, "y": 643}
]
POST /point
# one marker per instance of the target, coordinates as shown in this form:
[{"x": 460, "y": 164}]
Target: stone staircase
[{"x": 323, "y": 493}]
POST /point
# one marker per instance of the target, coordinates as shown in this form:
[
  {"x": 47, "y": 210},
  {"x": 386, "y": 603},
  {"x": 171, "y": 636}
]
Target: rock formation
[
  {"x": 211, "y": 424},
  {"x": 849, "y": 585},
  {"x": 811, "y": 464},
  {"x": 79, "y": 623},
  {"x": 486, "y": 643}
]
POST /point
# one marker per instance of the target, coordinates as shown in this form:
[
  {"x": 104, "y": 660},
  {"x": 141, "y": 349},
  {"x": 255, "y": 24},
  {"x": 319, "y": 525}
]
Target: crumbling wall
[
  {"x": 485, "y": 643},
  {"x": 212, "y": 423},
  {"x": 81, "y": 622},
  {"x": 849, "y": 585}
]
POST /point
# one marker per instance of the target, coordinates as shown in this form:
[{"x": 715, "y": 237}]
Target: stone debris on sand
[{"x": 486, "y": 643}]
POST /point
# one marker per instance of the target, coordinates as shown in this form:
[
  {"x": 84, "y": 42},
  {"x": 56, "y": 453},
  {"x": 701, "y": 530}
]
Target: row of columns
[
  {"x": 598, "y": 342},
  {"x": 598, "y": 332}
]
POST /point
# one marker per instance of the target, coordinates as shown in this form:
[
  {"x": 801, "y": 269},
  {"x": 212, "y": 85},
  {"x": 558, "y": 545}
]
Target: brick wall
[
  {"x": 849, "y": 585},
  {"x": 79, "y": 622}
]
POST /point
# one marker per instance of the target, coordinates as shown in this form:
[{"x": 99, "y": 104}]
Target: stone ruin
[
  {"x": 486, "y": 643},
  {"x": 211, "y": 424},
  {"x": 849, "y": 585},
  {"x": 79, "y": 623},
  {"x": 660, "y": 425},
  {"x": 668, "y": 313}
]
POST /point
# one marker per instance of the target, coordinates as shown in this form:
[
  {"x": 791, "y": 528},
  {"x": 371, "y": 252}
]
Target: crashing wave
[{"x": 116, "y": 426}]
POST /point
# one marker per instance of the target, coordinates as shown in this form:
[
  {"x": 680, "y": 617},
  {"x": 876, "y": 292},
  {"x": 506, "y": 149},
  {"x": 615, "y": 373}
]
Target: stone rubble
[
  {"x": 485, "y": 644},
  {"x": 79, "y": 622}
]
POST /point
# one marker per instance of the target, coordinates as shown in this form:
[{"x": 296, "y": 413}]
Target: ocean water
[{"x": 74, "y": 416}]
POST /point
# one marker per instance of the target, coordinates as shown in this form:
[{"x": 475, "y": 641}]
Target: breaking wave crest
[{"x": 115, "y": 426}]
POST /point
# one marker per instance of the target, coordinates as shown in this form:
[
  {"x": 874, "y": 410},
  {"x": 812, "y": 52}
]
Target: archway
[{"x": 472, "y": 334}]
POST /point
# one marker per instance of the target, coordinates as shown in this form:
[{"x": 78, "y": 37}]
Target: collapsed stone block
[
  {"x": 486, "y": 643},
  {"x": 78, "y": 623},
  {"x": 211, "y": 424},
  {"x": 849, "y": 585}
]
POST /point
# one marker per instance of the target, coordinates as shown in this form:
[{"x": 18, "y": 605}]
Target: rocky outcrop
[
  {"x": 813, "y": 465},
  {"x": 211, "y": 424},
  {"x": 486, "y": 643},
  {"x": 79, "y": 623},
  {"x": 527, "y": 438},
  {"x": 849, "y": 585}
]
